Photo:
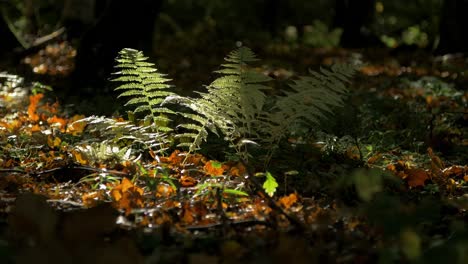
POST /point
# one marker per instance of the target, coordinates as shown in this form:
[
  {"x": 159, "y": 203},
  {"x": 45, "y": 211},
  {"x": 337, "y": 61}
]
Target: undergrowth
[{"x": 234, "y": 106}]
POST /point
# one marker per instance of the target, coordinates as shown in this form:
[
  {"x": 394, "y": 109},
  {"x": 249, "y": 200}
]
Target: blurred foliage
[
  {"x": 211, "y": 22},
  {"x": 408, "y": 22}
]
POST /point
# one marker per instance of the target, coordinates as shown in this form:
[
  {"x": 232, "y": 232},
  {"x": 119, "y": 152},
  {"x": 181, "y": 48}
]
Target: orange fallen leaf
[
  {"x": 36, "y": 128},
  {"x": 175, "y": 158},
  {"x": 416, "y": 177},
  {"x": 288, "y": 201},
  {"x": 214, "y": 168},
  {"x": 92, "y": 198},
  {"x": 164, "y": 190},
  {"x": 187, "y": 181},
  {"x": 127, "y": 196},
  {"x": 33, "y": 102},
  {"x": 57, "y": 120}
]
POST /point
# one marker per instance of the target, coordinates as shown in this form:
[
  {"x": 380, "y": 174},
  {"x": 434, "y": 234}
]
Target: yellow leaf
[
  {"x": 79, "y": 158},
  {"x": 53, "y": 142},
  {"x": 76, "y": 128}
]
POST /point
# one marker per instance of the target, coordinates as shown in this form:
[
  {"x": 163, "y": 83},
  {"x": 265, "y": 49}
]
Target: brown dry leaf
[
  {"x": 416, "y": 177},
  {"x": 436, "y": 163},
  {"x": 187, "y": 214},
  {"x": 33, "y": 103},
  {"x": 195, "y": 159},
  {"x": 455, "y": 171},
  {"x": 353, "y": 153},
  {"x": 288, "y": 201},
  {"x": 374, "y": 158},
  {"x": 237, "y": 170},
  {"x": 187, "y": 181},
  {"x": 213, "y": 168},
  {"x": 92, "y": 198}
]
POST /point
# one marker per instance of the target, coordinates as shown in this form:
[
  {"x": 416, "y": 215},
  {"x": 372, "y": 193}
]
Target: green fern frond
[
  {"x": 145, "y": 87},
  {"x": 231, "y": 104},
  {"x": 311, "y": 99}
]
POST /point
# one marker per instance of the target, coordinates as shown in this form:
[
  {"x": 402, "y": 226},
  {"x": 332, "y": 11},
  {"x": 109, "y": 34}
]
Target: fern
[
  {"x": 311, "y": 99},
  {"x": 231, "y": 105},
  {"x": 110, "y": 131},
  {"x": 145, "y": 86},
  {"x": 234, "y": 104}
]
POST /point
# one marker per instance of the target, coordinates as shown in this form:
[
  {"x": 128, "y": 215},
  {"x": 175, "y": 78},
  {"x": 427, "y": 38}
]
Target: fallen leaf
[
  {"x": 187, "y": 214},
  {"x": 416, "y": 177},
  {"x": 79, "y": 157},
  {"x": 164, "y": 190},
  {"x": 57, "y": 120},
  {"x": 33, "y": 102},
  {"x": 187, "y": 181},
  {"x": 127, "y": 196},
  {"x": 238, "y": 170},
  {"x": 288, "y": 201},
  {"x": 455, "y": 171},
  {"x": 91, "y": 199},
  {"x": 76, "y": 128},
  {"x": 214, "y": 168},
  {"x": 53, "y": 142}
]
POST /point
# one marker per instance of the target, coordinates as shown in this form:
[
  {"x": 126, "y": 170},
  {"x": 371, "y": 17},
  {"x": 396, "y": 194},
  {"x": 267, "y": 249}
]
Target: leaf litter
[{"x": 66, "y": 196}]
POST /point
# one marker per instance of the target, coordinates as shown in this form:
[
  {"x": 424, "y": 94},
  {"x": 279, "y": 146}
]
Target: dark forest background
[{"x": 209, "y": 28}]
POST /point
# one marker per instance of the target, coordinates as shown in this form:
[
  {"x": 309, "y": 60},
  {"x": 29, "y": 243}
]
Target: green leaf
[
  {"x": 235, "y": 192},
  {"x": 216, "y": 164},
  {"x": 270, "y": 184}
]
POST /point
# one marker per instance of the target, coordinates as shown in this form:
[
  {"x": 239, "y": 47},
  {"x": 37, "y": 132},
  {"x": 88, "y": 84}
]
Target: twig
[{"x": 44, "y": 39}]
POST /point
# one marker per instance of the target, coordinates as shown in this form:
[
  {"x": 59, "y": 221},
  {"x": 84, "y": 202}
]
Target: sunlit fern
[
  {"x": 231, "y": 105},
  {"x": 110, "y": 131},
  {"x": 145, "y": 87}
]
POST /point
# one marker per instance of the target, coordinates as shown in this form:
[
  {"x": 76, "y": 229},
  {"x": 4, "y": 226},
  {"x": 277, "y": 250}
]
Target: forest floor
[{"x": 385, "y": 180}]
